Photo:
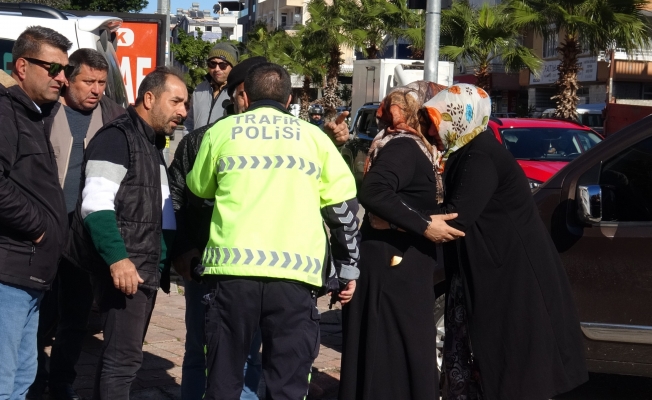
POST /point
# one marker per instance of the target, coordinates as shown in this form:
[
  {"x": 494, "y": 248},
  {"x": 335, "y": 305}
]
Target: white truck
[{"x": 373, "y": 79}]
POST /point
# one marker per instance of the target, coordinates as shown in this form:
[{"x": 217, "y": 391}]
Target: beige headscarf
[
  {"x": 399, "y": 116},
  {"x": 459, "y": 113}
]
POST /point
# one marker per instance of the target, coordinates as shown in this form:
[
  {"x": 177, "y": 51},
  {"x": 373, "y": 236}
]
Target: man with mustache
[
  {"x": 124, "y": 224},
  {"x": 81, "y": 111},
  {"x": 33, "y": 224}
]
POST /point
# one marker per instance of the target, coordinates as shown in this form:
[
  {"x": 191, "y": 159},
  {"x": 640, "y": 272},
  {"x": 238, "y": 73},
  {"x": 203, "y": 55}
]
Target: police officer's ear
[
  {"x": 227, "y": 105},
  {"x": 246, "y": 100},
  {"x": 288, "y": 102}
]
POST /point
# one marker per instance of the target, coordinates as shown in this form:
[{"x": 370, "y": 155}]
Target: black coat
[
  {"x": 31, "y": 199},
  {"x": 388, "y": 328},
  {"x": 524, "y": 326},
  {"x": 138, "y": 205}
]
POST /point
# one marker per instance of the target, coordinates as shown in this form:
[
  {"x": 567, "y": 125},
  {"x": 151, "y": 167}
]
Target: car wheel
[{"x": 439, "y": 323}]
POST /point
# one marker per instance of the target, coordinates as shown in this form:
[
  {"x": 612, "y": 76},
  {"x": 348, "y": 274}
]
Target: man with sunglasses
[
  {"x": 81, "y": 111},
  {"x": 208, "y": 98},
  {"x": 33, "y": 220}
]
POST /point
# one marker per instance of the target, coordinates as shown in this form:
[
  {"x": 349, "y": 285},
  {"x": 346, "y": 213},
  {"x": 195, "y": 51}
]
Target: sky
[{"x": 174, "y": 4}]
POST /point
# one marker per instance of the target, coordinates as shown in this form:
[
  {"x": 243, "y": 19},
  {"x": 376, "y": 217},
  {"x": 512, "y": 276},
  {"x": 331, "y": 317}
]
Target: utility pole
[
  {"x": 163, "y": 7},
  {"x": 431, "y": 54}
]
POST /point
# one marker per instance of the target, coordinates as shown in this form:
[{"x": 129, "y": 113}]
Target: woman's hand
[
  {"x": 439, "y": 231},
  {"x": 347, "y": 293}
]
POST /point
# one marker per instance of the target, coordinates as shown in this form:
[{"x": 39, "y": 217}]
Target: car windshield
[{"x": 553, "y": 144}]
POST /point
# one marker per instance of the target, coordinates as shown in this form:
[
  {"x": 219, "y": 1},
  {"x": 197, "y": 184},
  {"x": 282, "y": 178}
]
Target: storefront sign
[{"x": 549, "y": 74}]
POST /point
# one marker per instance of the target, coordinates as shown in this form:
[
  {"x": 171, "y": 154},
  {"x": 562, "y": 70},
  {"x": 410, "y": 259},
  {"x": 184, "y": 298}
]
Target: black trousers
[
  {"x": 124, "y": 321},
  {"x": 65, "y": 308},
  {"x": 287, "y": 315}
]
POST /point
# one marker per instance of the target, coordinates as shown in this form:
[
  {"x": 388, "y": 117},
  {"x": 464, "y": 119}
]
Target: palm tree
[
  {"x": 596, "y": 24},
  {"x": 326, "y": 31},
  {"x": 415, "y": 32},
  {"x": 371, "y": 23},
  {"x": 482, "y": 36},
  {"x": 295, "y": 52}
]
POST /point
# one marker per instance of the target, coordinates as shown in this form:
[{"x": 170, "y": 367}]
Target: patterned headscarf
[
  {"x": 459, "y": 114},
  {"x": 398, "y": 116}
]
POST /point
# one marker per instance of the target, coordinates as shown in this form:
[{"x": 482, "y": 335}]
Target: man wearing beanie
[
  {"x": 193, "y": 223},
  {"x": 206, "y": 106}
]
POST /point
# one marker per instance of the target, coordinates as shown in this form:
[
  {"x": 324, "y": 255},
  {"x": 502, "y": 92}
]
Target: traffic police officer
[{"x": 275, "y": 179}]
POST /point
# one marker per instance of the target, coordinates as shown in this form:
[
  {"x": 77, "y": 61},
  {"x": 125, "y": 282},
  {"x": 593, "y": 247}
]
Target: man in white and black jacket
[
  {"x": 33, "y": 221},
  {"x": 124, "y": 223}
]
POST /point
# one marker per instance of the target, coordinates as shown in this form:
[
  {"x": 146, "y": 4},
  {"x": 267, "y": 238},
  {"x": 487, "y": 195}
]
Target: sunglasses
[
  {"x": 212, "y": 64},
  {"x": 53, "y": 68}
]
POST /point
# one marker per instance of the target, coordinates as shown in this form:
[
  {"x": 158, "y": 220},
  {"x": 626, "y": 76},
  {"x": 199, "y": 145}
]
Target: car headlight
[{"x": 534, "y": 184}]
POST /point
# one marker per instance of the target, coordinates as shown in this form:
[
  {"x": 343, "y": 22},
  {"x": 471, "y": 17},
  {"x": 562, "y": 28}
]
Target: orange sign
[{"x": 137, "y": 44}]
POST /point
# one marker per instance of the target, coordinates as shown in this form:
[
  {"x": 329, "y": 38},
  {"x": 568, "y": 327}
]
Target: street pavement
[{"x": 160, "y": 375}]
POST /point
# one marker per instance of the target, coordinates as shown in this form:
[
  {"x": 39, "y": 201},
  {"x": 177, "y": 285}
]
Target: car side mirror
[
  {"x": 589, "y": 200},
  {"x": 372, "y": 132}
]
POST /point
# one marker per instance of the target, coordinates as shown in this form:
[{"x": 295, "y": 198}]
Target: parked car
[
  {"x": 543, "y": 146},
  {"x": 362, "y": 131},
  {"x": 92, "y": 32},
  {"x": 598, "y": 209},
  {"x": 591, "y": 115}
]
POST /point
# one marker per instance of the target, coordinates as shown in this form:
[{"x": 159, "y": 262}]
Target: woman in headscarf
[
  {"x": 389, "y": 327},
  {"x": 512, "y": 329}
]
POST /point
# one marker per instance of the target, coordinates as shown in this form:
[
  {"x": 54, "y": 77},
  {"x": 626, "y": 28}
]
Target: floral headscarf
[
  {"x": 459, "y": 113},
  {"x": 398, "y": 116}
]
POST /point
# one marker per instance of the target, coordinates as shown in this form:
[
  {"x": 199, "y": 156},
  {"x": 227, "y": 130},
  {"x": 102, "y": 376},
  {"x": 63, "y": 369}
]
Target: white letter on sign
[
  {"x": 142, "y": 63},
  {"x": 125, "y": 37},
  {"x": 125, "y": 71}
]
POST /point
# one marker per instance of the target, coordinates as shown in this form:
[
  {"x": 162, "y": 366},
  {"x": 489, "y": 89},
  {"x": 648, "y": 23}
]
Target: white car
[{"x": 92, "y": 32}]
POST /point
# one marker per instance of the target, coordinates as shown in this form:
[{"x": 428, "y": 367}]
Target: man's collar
[
  {"x": 142, "y": 125},
  {"x": 268, "y": 103}
]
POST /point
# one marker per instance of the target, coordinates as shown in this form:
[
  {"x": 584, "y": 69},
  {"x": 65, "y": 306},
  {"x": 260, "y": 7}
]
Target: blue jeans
[
  {"x": 193, "y": 370},
  {"x": 18, "y": 326}
]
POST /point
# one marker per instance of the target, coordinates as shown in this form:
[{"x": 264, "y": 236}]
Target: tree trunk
[
  {"x": 416, "y": 53},
  {"x": 566, "y": 97},
  {"x": 483, "y": 78},
  {"x": 330, "y": 99},
  {"x": 372, "y": 52},
  {"x": 305, "y": 98}
]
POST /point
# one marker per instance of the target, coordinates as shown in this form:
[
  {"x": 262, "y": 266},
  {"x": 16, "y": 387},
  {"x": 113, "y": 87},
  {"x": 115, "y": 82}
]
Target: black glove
[{"x": 196, "y": 270}]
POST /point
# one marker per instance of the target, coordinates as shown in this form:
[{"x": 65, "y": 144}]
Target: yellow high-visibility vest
[{"x": 270, "y": 174}]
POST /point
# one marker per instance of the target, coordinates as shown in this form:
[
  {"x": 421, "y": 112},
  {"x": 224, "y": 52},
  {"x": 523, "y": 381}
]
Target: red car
[{"x": 543, "y": 146}]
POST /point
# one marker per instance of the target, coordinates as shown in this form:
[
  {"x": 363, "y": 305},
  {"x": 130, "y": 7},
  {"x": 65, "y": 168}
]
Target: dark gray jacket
[
  {"x": 31, "y": 199},
  {"x": 204, "y": 108}
]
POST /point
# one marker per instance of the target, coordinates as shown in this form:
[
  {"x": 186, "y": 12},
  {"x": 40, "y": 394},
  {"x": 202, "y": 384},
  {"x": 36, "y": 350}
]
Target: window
[
  {"x": 548, "y": 144},
  {"x": 209, "y": 29},
  {"x": 626, "y": 182},
  {"x": 6, "y": 46},
  {"x": 550, "y": 45},
  {"x": 647, "y": 92},
  {"x": 284, "y": 19}
]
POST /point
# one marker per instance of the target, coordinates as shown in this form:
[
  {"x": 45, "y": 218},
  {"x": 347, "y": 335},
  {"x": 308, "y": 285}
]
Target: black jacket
[
  {"x": 138, "y": 205},
  {"x": 524, "y": 327},
  {"x": 31, "y": 199},
  {"x": 193, "y": 214}
]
